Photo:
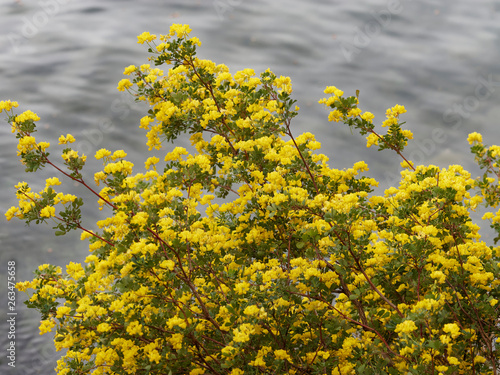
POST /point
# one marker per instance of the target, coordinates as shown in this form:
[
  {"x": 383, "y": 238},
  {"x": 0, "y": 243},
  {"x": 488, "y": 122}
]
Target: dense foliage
[{"x": 302, "y": 269}]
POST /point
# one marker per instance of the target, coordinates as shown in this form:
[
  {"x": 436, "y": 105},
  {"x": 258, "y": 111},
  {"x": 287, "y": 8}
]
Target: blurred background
[{"x": 63, "y": 59}]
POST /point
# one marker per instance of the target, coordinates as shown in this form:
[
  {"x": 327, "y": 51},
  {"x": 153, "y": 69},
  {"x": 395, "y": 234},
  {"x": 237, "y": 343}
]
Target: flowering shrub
[{"x": 303, "y": 269}]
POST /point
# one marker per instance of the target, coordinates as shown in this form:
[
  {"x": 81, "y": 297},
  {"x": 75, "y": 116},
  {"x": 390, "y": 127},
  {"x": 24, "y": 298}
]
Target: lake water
[{"x": 63, "y": 59}]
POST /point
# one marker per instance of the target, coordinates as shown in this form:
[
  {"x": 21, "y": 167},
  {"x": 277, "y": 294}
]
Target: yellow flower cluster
[
  {"x": 66, "y": 139},
  {"x": 27, "y": 116},
  {"x": 393, "y": 115},
  {"x": 7, "y": 105}
]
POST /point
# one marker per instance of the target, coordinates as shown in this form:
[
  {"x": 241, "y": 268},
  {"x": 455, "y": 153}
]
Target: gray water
[{"x": 63, "y": 59}]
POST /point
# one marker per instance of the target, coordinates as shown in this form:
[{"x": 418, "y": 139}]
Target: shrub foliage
[{"x": 301, "y": 269}]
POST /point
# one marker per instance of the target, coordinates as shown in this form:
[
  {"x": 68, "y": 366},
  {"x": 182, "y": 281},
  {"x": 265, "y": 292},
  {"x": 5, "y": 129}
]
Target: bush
[{"x": 303, "y": 269}]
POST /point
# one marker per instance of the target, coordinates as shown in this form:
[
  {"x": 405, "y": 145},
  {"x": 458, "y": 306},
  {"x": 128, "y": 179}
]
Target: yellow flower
[
  {"x": 474, "y": 137},
  {"x": 176, "y": 340},
  {"x": 495, "y": 151},
  {"x": 48, "y": 211},
  {"x": 64, "y": 198},
  {"x": 372, "y": 140},
  {"x": 66, "y": 139},
  {"x": 154, "y": 356},
  {"x": 196, "y": 41},
  {"x": 335, "y": 115},
  {"x": 407, "y": 164},
  {"x": 134, "y": 328},
  {"x": 368, "y": 116},
  {"x": 390, "y": 121},
  {"x": 26, "y": 143},
  {"x": 145, "y": 121},
  {"x": 103, "y": 327},
  {"x": 488, "y": 215},
  {"x": 176, "y": 154},
  {"x": 180, "y": 30},
  {"x": 407, "y": 326},
  {"x": 98, "y": 177},
  {"x": 479, "y": 359},
  {"x": 140, "y": 219},
  {"x": 72, "y": 154},
  {"x": 102, "y": 153},
  {"x": 354, "y": 112},
  {"x": 145, "y": 37},
  {"x": 162, "y": 47},
  {"x": 407, "y": 133},
  {"x": 243, "y": 332},
  {"x": 397, "y": 110},
  {"x": 439, "y": 275},
  {"x": 27, "y": 115},
  {"x": 445, "y": 339},
  {"x": 282, "y": 83},
  {"x": 251, "y": 310},
  {"x": 151, "y": 162},
  {"x": 453, "y": 329},
  {"x": 453, "y": 361},
  {"x": 129, "y": 69},
  {"x": 7, "y": 105},
  {"x": 52, "y": 182},
  {"x": 360, "y": 166},
  {"x": 23, "y": 285},
  {"x": 43, "y": 145},
  {"x": 333, "y": 90},
  {"x": 118, "y": 154},
  {"x": 63, "y": 310},
  {"x": 11, "y": 212},
  {"x": 75, "y": 270},
  {"x": 282, "y": 354},
  {"x": 197, "y": 371},
  {"x": 168, "y": 264},
  {"x": 406, "y": 350},
  {"x": 124, "y": 84},
  {"x": 46, "y": 326}
]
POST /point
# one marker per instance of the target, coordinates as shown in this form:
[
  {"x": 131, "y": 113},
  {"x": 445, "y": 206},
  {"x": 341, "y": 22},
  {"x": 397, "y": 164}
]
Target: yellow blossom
[
  {"x": 52, "y": 182},
  {"x": 26, "y": 116},
  {"x": 48, "y": 211},
  {"x": 368, "y": 116},
  {"x": 372, "y": 139},
  {"x": 66, "y": 139},
  {"x": 453, "y": 329},
  {"x": 181, "y": 30},
  {"x": 333, "y": 90},
  {"x": 118, "y": 154},
  {"x": 102, "y": 153},
  {"x": 406, "y": 326},
  {"x": 46, "y": 326},
  {"x": 474, "y": 137},
  {"x": 129, "y": 69},
  {"x": 11, "y": 212},
  {"x": 7, "y": 105},
  {"x": 145, "y": 37},
  {"x": 124, "y": 84},
  {"x": 63, "y": 310}
]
